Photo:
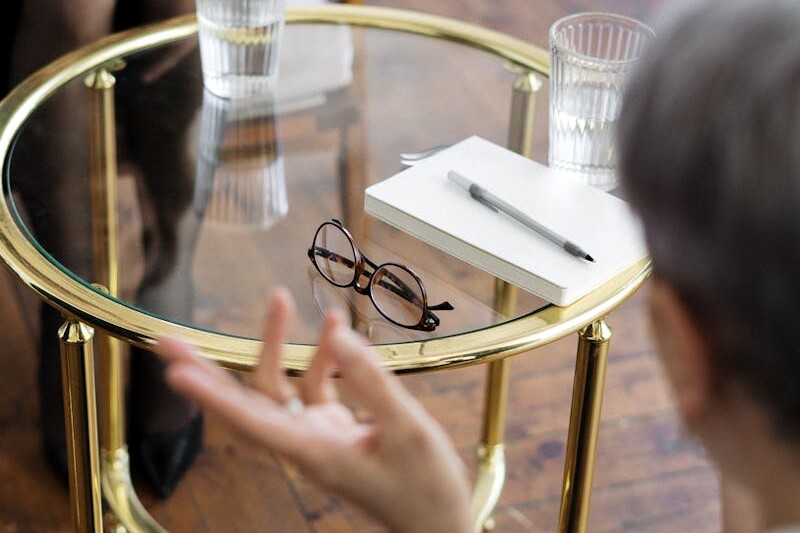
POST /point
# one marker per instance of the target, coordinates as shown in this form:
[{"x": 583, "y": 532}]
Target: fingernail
[
  {"x": 280, "y": 292},
  {"x": 347, "y": 343},
  {"x": 280, "y": 296},
  {"x": 338, "y": 314},
  {"x": 340, "y": 339}
]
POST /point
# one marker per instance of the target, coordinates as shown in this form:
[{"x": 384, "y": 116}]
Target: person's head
[{"x": 710, "y": 159}]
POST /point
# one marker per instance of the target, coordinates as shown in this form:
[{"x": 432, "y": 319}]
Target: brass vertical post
[
  {"x": 520, "y": 133},
  {"x": 115, "y": 479},
  {"x": 523, "y": 109},
  {"x": 505, "y": 303},
  {"x": 491, "y": 453},
  {"x": 103, "y": 180},
  {"x": 80, "y": 417},
  {"x": 584, "y": 425}
]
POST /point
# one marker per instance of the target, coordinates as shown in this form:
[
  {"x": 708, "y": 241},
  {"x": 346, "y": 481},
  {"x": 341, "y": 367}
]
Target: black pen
[{"x": 496, "y": 204}]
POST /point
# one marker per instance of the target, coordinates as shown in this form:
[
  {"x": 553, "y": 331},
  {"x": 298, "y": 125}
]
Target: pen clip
[{"x": 482, "y": 200}]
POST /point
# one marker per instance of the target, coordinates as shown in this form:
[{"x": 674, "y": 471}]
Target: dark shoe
[
  {"x": 164, "y": 458},
  {"x": 166, "y": 428},
  {"x": 51, "y": 396},
  {"x": 55, "y": 451}
]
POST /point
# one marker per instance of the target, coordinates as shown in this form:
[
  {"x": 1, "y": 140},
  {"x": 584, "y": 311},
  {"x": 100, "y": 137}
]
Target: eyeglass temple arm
[
  {"x": 431, "y": 319},
  {"x": 331, "y": 256}
]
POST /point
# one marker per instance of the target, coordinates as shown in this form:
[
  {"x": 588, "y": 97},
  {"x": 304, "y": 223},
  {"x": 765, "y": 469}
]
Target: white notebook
[{"x": 423, "y": 202}]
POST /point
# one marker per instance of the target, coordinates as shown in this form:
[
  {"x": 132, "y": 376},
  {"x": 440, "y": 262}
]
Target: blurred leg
[
  {"x": 51, "y": 28},
  {"x": 10, "y": 11},
  {"x": 162, "y": 9},
  {"x": 166, "y": 428},
  {"x": 57, "y": 197}
]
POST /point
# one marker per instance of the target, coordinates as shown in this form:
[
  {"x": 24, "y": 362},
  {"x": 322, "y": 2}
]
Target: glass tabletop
[{"x": 218, "y": 200}]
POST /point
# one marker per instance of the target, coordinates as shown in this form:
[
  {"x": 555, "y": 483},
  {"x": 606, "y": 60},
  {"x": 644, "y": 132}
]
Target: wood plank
[
  {"x": 233, "y": 487},
  {"x": 661, "y": 504}
]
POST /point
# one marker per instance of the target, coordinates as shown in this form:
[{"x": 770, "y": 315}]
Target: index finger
[{"x": 268, "y": 377}]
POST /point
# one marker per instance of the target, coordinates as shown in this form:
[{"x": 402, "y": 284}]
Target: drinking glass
[
  {"x": 239, "y": 45},
  {"x": 591, "y": 55}
]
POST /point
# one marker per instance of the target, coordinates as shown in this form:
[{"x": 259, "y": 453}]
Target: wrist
[{"x": 443, "y": 519}]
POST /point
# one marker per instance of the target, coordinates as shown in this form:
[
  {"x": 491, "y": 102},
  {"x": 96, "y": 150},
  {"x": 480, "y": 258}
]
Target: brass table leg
[
  {"x": 80, "y": 417},
  {"x": 523, "y": 109},
  {"x": 103, "y": 183},
  {"x": 491, "y": 451},
  {"x": 115, "y": 477},
  {"x": 584, "y": 424}
]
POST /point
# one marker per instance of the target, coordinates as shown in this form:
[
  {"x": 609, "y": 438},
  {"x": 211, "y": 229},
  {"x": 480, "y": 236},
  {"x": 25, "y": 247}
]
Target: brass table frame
[{"x": 99, "y": 468}]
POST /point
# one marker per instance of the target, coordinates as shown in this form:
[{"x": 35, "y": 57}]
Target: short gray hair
[{"x": 710, "y": 158}]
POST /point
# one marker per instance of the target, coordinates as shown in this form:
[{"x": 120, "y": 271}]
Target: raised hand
[{"x": 400, "y": 467}]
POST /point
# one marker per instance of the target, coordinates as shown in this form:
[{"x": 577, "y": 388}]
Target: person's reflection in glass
[{"x": 165, "y": 428}]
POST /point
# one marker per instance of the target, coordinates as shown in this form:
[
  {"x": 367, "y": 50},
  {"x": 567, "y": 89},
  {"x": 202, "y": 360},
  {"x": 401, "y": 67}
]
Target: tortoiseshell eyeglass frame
[{"x": 428, "y": 320}]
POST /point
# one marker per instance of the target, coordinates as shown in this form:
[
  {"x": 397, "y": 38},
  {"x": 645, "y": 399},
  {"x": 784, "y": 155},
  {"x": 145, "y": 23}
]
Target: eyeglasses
[{"x": 395, "y": 290}]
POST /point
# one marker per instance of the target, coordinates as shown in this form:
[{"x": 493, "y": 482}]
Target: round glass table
[{"x": 138, "y": 205}]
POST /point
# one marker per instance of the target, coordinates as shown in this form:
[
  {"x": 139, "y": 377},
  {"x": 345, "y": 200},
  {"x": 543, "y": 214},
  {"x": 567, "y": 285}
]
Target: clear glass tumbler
[
  {"x": 239, "y": 45},
  {"x": 591, "y": 55}
]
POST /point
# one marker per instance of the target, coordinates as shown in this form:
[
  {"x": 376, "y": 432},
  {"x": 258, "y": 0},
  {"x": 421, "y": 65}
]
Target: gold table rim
[{"x": 74, "y": 298}]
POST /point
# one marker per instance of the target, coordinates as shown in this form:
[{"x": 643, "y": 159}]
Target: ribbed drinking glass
[
  {"x": 591, "y": 55},
  {"x": 239, "y": 45}
]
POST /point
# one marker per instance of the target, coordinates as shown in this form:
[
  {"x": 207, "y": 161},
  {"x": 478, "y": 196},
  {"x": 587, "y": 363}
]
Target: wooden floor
[{"x": 648, "y": 476}]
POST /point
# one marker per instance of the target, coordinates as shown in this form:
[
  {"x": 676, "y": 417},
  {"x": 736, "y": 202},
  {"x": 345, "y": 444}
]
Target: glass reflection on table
[{"x": 240, "y": 175}]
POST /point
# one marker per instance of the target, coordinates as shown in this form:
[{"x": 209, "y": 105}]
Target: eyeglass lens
[
  {"x": 334, "y": 255},
  {"x": 397, "y": 294},
  {"x": 395, "y": 291}
]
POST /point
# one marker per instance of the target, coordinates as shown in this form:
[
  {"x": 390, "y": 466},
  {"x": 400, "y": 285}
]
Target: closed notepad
[{"x": 423, "y": 202}]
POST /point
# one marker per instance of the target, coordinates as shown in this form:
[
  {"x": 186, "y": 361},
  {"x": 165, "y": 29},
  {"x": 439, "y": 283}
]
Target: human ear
[{"x": 684, "y": 352}]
